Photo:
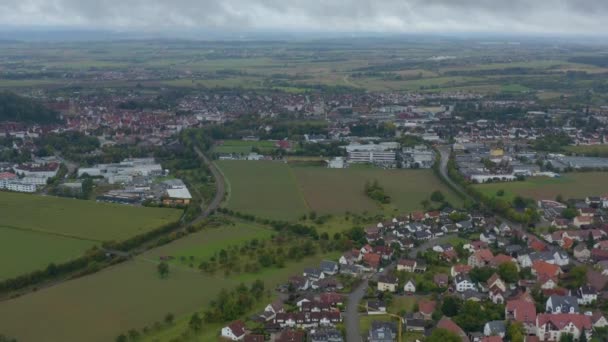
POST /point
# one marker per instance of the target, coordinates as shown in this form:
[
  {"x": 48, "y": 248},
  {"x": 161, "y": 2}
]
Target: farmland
[
  {"x": 80, "y": 219},
  {"x": 38, "y": 230},
  {"x": 29, "y": 251},
  {"x": 281, "y": 191},
  {"x": 242, "y": 146},
  {"x": 589, "y": 150},
  {"x": 569, "y": 185},
  {"x": 132, "y": 295},
  {"x": 336, "y": 191},
  {"x": 405, "y": 64},
  {"x": 267, "y": 189}
]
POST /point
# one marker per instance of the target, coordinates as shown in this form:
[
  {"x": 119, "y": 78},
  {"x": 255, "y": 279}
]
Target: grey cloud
[{"x": 546, "y": 16}]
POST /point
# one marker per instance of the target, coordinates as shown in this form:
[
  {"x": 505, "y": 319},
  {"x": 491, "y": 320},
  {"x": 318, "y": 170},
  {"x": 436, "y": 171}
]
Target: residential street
[{"x": 351, "y": 315}]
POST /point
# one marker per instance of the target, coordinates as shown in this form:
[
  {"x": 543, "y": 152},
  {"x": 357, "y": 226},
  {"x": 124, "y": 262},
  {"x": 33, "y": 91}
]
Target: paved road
[
  {"x": 429, "y": 244},
  {"x": 351, "y": 315},
  {"x": 443, "y": 170},
  {"x": 444, "y": 151},
  {"x": 220, "y": 187}
]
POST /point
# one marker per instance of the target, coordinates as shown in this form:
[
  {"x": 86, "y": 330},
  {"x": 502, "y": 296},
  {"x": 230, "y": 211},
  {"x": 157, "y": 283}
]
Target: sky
[{"x": 572, "y": 17}]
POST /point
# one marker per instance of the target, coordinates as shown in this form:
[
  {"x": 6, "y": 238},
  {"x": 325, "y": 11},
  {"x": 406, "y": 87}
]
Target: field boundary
[
  {"x": 46, "y": 232},
  {"x": 299, "y": 188}
]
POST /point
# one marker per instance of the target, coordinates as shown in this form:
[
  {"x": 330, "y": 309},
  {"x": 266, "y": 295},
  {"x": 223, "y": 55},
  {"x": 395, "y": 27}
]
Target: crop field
[
  {"x": 132, "y": 295},
  {"x": 378, "y": 65},
  {"x": 569, "y": 185},
  {"x": 25, "y": 251},
  {"x": 589, "y": 150},
  {"x": 80, "y": 219},
  {"x": 337, "y": 191},
  {"x": 267, "y": 189},
  {"x": 242, "y": 147},
  {"x": 280, "y": 191},
  {"x": 38, "y": 230}
]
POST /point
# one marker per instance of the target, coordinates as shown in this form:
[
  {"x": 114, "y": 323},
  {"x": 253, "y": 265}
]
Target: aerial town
[{"x": 303, "y": 187}]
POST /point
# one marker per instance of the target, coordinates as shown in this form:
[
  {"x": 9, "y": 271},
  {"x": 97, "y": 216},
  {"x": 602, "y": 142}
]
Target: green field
[
  {"x": 280, "y": 191},
  {"x": 569, "y": 185},
  {"x": 589, "y": 150},
  {"x": 24, "y": 251},
  {"x": 339, "y": 190},
  {"x": 131, "y": 295},
  {"x": 38, "y": 230},
  {"x": 81, "y": 219},
  {"x": 243, "y": 147},
  {"x": 267, "y": 189}
]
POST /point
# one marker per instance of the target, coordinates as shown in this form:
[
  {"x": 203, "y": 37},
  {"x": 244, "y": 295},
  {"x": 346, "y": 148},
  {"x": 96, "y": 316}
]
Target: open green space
[
  {"x": 569, "y": 185},
  {"x": 86, "y": 220},
  {"x": 198, "y": 247},
  {"x": 242, "y": 146},
  {"x": 589, "y": 150},
  {"x": 280, "y": 191},
  {"x": 25, "y": 251},
  {"x": 340, "y": 190},
  {"x": 267, "y": 189},
  {"x": 131, "y": 295}
]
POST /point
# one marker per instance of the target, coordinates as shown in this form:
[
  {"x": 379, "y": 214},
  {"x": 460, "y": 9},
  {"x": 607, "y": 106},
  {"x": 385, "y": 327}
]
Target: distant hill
[{"x": 21, "y": 109}]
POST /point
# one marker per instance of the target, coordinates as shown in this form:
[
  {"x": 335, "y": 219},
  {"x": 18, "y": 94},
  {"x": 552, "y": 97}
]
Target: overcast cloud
[{"x": 402, "y": 16}]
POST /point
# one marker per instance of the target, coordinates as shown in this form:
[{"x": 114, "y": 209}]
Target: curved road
[
  {"x": 444, "y": 152},
  {"x": 443, "y": 170}
]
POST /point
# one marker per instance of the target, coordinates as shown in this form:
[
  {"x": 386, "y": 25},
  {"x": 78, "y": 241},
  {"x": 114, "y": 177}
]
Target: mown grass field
[
  {"x": 569, "y": 185},
  {"x": 281, "y": 191},
  {"x": 267, "y": 189},
  {"x": 38, "y": 230},
  {"x": 242, "y": 147},
  {"x": 24, "y": 251},
  {"x": 81, "y": 219},
  {"x": 131, "y": 295}
]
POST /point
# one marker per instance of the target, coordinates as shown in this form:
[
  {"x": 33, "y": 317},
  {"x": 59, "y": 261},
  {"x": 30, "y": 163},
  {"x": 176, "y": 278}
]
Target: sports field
[
  {"x": 131, "y": 295},
  {"x": 280, "y": 191},
  {"x": 569, "y": 185},
  {"x": 38, "y": 230}
]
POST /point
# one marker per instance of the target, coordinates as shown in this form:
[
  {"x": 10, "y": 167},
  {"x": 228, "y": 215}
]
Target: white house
[
  {"x": 463, "y": 283},
  {"x": 387, "y": 283},
  {"x": 551, "y": 327},
  {"x": 235, "y": 331},
  {"x": 409, "y": 287}
]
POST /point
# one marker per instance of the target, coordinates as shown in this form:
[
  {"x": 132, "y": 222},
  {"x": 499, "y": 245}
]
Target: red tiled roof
[
  {"x": 447, "y": 324},
  {"x": 371, "y": 259},
  {"x": 562, "y": 320},
  {"x": 254, "y": 338},
  {"x": 426, "y": 307},
  {"x": 501, "y": 259},
  {"x": 237, "y": 327},
  {"x": 484, "y": 255},
  {"x": 491, "y": 339},
  {"x": 537, "y": 245},
  {"x": 544, "y": 268},
  {"x": 462, "y": 269},
  {"x": 523, "y": 310},
  {"x": 291, "y": 336}
]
